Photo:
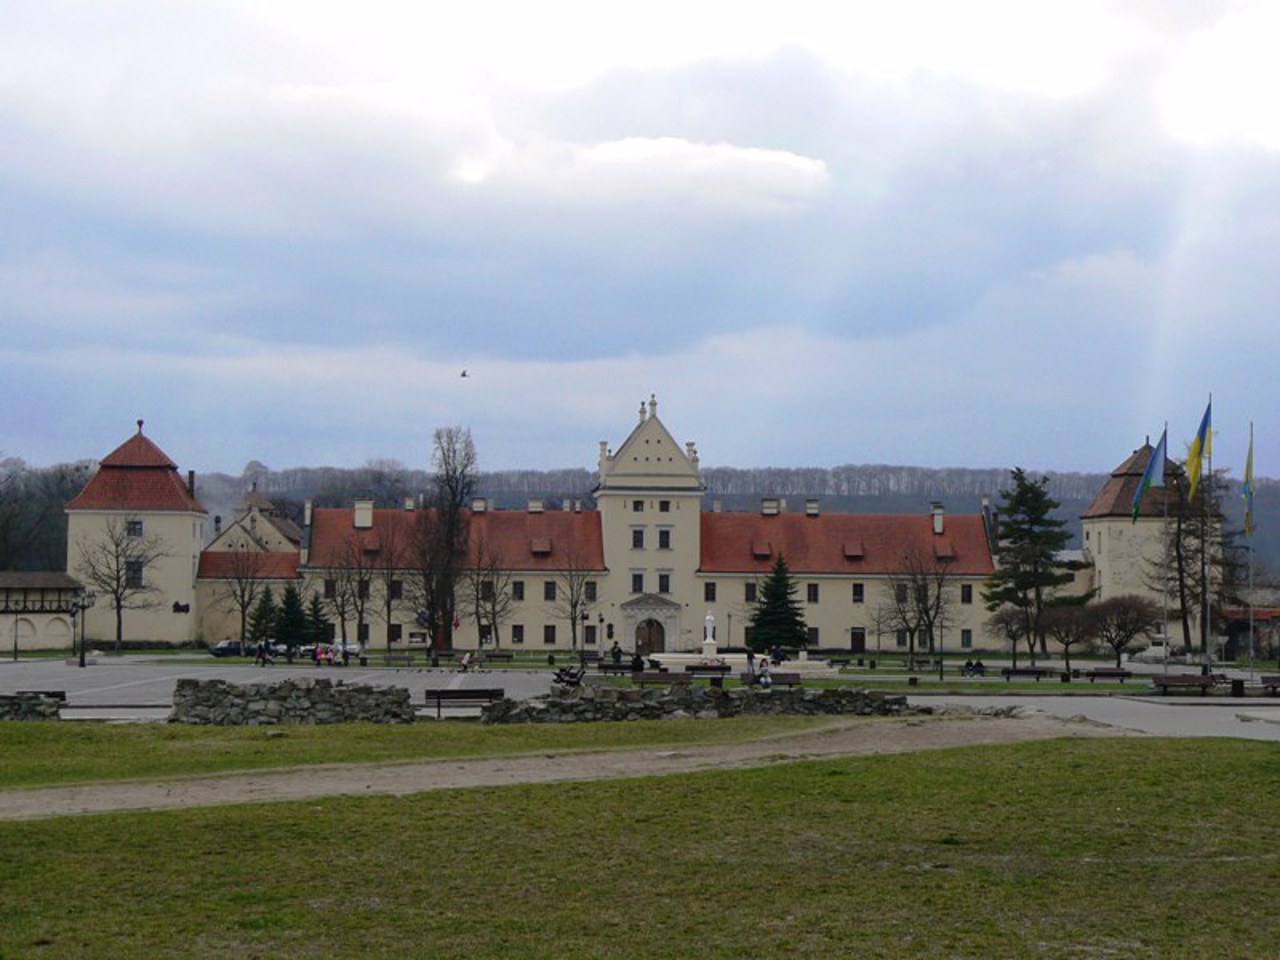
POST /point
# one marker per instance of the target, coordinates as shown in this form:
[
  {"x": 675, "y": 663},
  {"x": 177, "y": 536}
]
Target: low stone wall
[
  {"x": 301, "y": 700},
  {"x": 589, "y": 703},
  {"x": 28, "y": 706}
]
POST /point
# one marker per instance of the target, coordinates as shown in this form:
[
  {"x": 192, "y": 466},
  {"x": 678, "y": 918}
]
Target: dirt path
[{"x": 847, "y": 737}]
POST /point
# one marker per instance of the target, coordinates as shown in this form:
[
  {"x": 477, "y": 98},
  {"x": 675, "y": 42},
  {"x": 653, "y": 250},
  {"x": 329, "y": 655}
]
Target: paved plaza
[{"x": 141, "y": 687}]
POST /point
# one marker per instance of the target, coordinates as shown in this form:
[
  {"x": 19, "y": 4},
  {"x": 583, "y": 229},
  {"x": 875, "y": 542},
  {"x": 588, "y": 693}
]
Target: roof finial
[
  {"x": 139, "y": 424},
  {"x": 653, "y": 404},
  {"x": 642, "y": 411}
]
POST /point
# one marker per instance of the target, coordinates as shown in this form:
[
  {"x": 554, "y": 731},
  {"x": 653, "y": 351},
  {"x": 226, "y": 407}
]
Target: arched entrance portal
[{"x": 650, "y": 637}]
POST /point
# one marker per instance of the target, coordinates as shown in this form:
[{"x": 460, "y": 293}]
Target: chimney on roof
[
  {"x": 306, "y": 513},
  {"x": 363, "y": 514},
  {"x": 535, "y": 506},
  {"x": 811, "y": 507},
  {"x": 408, "y": 503},
  {"x": 479, "y": 505},
  {"x": 937, "y": 518},
  {"x": 770, "y": 507}
]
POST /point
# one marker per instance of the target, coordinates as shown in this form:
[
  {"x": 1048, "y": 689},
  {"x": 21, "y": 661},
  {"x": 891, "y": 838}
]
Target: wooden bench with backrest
[
  {"x": 1109, "y": 673},
  {"x": 1184, "y": 681},
  {"x": 476, "y": 697},
  {"x": 643, "y": 678},
  {"x": 620, "y": 669},
  {"x": 1010, "y": 672},
  {"x": 708, "y": 669},
  {"x": 778, "y": 678},
  {"x": 1271, "y": 682}
]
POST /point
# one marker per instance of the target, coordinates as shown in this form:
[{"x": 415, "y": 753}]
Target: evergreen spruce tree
[
  {"x": 1027, "y": 546},
  {"x": 262, "y": 622},
  {"x": 317, "y": 621},
  {"x": 778, "y": 620},
  {"x": 291, "y": 622}
]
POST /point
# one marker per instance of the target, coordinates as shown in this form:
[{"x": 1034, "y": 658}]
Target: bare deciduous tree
[
  {"x": 486, "y": 592},
  {"x": 575, "y": 589},
  {"x": 239, "y": 592},
  {"x": 439, "y": 546},
  {"x": 1121, "y": 620},
  {"x": 116, "y": 566}
]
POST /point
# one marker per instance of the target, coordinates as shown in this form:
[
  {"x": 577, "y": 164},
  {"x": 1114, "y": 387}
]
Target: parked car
[{"x": 231, "y": 648}]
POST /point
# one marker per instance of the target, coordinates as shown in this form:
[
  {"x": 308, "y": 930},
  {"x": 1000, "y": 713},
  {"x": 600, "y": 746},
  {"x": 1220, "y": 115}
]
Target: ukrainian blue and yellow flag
[
  {"x": 1153, "y": 476},
  {"x": 1201, "y": 447}
]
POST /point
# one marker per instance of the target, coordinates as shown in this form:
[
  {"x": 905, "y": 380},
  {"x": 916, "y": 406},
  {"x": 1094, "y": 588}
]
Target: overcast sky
[{"x": 933, "y": 233}]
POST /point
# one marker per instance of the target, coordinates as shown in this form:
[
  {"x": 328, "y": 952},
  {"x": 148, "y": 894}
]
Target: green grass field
[{"x": 1071, "y": 848}]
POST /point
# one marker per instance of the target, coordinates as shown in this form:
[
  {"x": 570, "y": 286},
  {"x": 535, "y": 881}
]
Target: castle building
[{"x": 644, "y": 565}]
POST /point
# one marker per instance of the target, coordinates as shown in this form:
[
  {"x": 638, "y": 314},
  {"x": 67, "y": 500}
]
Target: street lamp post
[{"x": 81, "y": 603}]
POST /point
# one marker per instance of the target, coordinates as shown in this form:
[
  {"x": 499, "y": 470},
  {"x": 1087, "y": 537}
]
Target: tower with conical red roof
[{"x": 138, "y": 523}]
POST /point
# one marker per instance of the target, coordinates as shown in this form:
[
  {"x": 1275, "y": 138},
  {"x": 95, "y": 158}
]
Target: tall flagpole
[
  {"x": 1207, "y": 452},
  {"x": 1248, "y": 533}
]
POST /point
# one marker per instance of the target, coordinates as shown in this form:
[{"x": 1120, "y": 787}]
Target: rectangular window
[
  {"x": 749, "y": 593},
  {"x": 664, "y": 506},
  {"x": 900, "y": 592},
  {"x": 548, "y": 590},
  {"x": 813, "y": 636},
  {"x": 133, "y": 574},
  {"x": 395, "y": 632},
  {"x": 589, "y": 634},
  {"x": 486, "y": 589},
  {"x": 966, "y": 593},
  {"x": 901, "y": 638},
  {"x": 517, "y": 633},
  {"x": 811, "y": 592},
  {"x": 396, "y": 589},
  {"x": 637, "y": 583},
  {"x": 664, "y": 583},
  {"x": 859, "y": 593},
  {"x": 589, "y": 591},
  {"x": 637, "y": 506},
  {"x": 637, "y": 538},
  {"x": 966, "y": 638},
  {"x": 362, "y": 588},
  {"x": 708, "y": 593},
  {"x": 664, "y": 539},
  {"x": 362, "y": 633},
  {"x": 330, "y": 589},
  {"x": 517, "y": 589},
  {"x": 549, "y": 634},
  {"x": 133, "y": 528}
]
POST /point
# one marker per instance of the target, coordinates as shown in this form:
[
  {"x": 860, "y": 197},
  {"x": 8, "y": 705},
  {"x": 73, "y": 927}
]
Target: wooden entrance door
[{"x": 650, "y": 637}]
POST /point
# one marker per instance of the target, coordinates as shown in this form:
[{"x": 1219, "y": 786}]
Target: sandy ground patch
[{"x": 845, "y": 737}]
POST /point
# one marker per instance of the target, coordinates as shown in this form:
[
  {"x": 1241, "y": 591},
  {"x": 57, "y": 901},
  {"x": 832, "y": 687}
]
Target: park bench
[
  {"x": 463, "y": 698},
  {"x": 1184, "y": 681},
  {"x": 778, "y": 678},
  {"x": 618, "y": 669},
  {"x": 708, "y": 669},
  {"x": 390, "y": 659},
  {"x": 1109, "y": 673},
  {"x": 1271, "y": 683},
  {"x": 59, "y": 695},
  {"x": 500, "y": 656},
  {"x": 643, "y": 678},
  {"x": 1010, "y": 672}
]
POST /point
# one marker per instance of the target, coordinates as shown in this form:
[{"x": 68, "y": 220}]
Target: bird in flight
[{"x": 465, "y": 374}]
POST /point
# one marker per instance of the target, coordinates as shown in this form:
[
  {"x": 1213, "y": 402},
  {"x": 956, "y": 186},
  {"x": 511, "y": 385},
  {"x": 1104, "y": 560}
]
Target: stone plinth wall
[
  {"x": 302, "y": 700},
  {"x": 28, "y": 706},
  {"x": 689, "y": 700}
]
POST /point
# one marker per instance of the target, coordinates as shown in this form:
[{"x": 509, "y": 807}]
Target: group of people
[
  {"x": 973, "y": 668},
  {"x": 331, "y": 654}
]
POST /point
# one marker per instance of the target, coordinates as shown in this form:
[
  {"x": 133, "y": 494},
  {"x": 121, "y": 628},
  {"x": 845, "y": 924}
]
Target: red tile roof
[
  {"x": 1115, "y": 499},
  {"x": 136, "y": 476},
  {"x": 551, "y": 540},
  {"x": 840, "y": 543},
  {"x": 219, "y": 565}
]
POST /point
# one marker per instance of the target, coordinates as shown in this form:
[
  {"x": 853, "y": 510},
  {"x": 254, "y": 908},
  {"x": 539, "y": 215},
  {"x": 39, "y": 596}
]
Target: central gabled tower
[{"x": 649, "y": 496}]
